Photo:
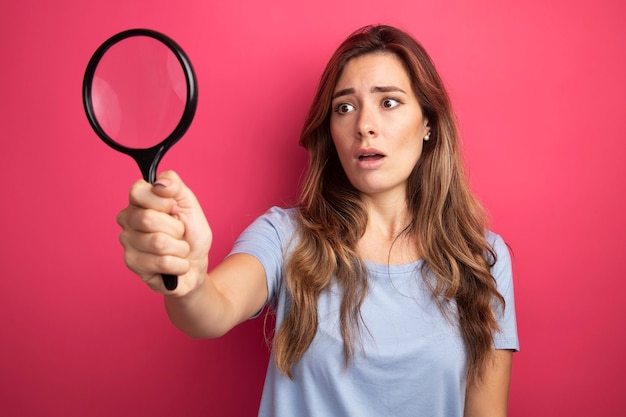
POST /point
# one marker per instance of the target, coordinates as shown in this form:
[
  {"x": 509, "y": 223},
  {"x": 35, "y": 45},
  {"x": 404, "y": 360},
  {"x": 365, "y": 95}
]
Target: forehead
[{"x": 376, "y": 69}]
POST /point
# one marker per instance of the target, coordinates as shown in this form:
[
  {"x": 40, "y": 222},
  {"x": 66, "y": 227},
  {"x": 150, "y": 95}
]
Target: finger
[
  {"x": 151, "y": 221},
  {"x": 148, "y": 266},
  {"x": 155, "y": 243}
]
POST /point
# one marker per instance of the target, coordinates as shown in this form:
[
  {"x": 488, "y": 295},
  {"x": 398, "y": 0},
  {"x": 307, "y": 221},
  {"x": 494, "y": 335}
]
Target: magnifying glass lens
[{"x": 139, "y": 92}]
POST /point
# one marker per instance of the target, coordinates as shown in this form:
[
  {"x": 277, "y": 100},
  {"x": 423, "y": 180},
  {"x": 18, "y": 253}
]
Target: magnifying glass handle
[
  {"x": 170, "y": 281},
  {"x": 148, "y": 160}
]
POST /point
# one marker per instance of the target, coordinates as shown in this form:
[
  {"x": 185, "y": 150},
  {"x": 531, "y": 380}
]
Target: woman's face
[{"x": 377, "y": 124}]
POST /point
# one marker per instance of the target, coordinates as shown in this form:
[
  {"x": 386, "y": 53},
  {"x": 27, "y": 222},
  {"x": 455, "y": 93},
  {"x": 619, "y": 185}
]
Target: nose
[{"x": 367, "y": 123}]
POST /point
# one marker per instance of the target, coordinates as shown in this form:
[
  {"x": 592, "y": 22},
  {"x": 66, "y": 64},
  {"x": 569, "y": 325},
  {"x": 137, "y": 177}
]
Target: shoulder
[
  {"x": 497, "y": 243},
  {"x": 276, "y": 224},
  {"x": 268, "y": 236},
  {"x": 502, "y": 268},
  {"x": 281, "y": 214},
  {"x": 279, "y": 218}
]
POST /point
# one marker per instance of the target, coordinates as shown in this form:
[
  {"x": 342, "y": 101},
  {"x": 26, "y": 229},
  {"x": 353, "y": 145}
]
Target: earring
[{"x": 427, "y": 136}]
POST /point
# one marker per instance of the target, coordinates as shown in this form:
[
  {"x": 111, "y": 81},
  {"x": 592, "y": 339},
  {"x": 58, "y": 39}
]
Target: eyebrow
[{"x": 382, "y": 89}]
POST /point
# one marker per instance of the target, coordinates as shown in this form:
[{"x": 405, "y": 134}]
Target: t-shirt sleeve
[
  {"x": 507, "y": 337},
  {"x": 267, "y": 239}
]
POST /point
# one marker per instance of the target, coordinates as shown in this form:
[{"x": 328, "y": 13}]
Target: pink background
[{"x": 540, "y": 91}]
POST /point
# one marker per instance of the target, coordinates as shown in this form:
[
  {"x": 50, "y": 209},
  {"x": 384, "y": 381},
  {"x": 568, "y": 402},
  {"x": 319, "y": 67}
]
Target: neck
[
  {"x": 387, "y": 218},
  {"x": 384, "y": 240}
]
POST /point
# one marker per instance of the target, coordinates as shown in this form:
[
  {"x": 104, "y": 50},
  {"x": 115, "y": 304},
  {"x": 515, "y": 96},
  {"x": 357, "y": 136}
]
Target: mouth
[{"x": 371, "y": 157}]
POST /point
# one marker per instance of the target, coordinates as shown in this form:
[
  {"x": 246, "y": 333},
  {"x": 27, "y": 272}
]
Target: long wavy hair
[{"x": 448, "y": 223}]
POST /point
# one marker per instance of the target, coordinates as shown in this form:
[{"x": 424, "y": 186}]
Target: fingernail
[{"x": 161, "y": 183}]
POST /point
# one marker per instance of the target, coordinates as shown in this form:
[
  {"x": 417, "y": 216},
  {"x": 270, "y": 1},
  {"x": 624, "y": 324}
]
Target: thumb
[
  {"x": 170, "y": 185},
  {"x": 187, "y": 209}
]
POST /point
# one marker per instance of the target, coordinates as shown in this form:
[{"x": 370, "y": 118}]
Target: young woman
[{"x": 392, "y": 298}]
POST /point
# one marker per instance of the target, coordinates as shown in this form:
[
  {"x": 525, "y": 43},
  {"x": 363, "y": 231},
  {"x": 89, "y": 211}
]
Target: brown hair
[{"x": 448, "y": 224}]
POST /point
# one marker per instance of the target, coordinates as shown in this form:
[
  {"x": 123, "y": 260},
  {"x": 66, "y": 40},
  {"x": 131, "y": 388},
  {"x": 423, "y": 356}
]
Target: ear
[{"x": 426, "y": 129}]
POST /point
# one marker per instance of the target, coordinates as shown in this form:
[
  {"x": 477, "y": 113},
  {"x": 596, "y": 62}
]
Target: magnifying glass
[{"x": 140, "y": 95}]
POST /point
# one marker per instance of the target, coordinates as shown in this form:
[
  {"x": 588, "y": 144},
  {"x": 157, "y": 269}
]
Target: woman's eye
[
  {"x": 344, "y": 108},
  {"x": 390, "y": 103}
]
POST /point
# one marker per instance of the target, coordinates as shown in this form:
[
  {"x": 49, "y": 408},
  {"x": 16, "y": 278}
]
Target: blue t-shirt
[{"x": 411, "y": 359}]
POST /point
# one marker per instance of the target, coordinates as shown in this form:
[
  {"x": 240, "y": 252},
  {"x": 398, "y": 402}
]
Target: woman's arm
[
  {"x": 489, "y": 397},
  {"x": 164, "y": 231},
  {"x": 231, "y": 293}
]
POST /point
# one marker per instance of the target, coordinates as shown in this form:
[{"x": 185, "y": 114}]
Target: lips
[
  {"x": 369, "y": 154},
  {"x": 370, "y": 158}
]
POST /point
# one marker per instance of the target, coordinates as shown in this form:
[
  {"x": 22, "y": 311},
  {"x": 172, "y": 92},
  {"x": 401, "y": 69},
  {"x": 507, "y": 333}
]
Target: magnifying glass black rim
[{"x": 190, "y": 105}]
